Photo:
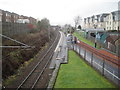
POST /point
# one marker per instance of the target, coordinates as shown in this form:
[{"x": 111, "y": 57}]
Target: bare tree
[
  {"x": 77, "y": 21},
  {"x": 67, "y": 28},
  {"x": 44, "y": 25}
]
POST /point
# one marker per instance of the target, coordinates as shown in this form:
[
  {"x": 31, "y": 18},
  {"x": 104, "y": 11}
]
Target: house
[
  {"x": 32, "y": 20},
  {"x": 6, "y": 16},
  {"x": 113, "y": 21},
  {"x": 102, "y": 21},
  {"x": 14, "y": 17},
  {"x": 110, "y": 41},
  {"x": 87, "y": 22},
  {"x": 92, "y": 21},
  {"x": 23, "y": 19},
  {"x": 106, "y": 21},
  {"x": 95, "y": 21}
]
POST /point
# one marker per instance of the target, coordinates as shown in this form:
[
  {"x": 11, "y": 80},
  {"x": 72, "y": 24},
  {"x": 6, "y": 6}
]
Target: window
[{"x": 110, "y": 23}]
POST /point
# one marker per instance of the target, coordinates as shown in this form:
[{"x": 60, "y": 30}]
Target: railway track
[{"x": 40, "y": 74}]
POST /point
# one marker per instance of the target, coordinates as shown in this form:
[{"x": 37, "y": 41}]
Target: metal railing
[{"x": 106, "y": 65}]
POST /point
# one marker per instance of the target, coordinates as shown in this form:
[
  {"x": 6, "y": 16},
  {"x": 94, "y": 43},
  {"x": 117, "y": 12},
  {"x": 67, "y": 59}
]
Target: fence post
[
  {"x": 92, "y": 59},
  {"x": 119, "y": 75},
  {"x": 73, "y": 46},
  {"x": 103, "y": 67},
  {"x": 85, "y": 54},
  {"x": 79, "y": 49}
]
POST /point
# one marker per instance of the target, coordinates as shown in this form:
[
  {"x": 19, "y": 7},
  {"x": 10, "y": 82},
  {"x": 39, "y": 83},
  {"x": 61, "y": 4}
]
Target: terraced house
[
  {"x": 11, "y": 17},
  {"x": 113, "y": 21},
  {"x": 14, "y": 17},
  {"x": 6, "y": 16},
  {"x": 106, "y": 21}
]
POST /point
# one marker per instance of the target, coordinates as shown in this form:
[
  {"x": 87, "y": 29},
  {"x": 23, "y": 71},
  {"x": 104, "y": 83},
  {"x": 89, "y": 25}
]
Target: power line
[{"x": 24, "y": 45}]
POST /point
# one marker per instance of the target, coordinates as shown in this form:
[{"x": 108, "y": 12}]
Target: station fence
[
  {"x": 10, "y": 29},
  {"x": 106, "y": 65}
]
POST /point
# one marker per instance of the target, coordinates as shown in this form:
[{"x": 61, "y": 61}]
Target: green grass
[
  {"x": 77, "y": 74},
  {"x": 84, "y": 40}
]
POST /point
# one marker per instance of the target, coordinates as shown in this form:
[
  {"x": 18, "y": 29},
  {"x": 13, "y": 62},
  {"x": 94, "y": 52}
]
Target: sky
[{"x": 59, "y": 12}]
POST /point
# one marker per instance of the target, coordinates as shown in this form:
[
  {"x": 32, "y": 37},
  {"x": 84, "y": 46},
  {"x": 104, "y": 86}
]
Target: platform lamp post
[{"x": 95, "y": 26}]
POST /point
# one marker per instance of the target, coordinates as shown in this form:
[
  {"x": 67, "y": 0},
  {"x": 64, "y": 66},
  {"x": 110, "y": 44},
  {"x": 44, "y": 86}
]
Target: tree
[
  {"x": 79, "y": 27},
  {"x": 77, "y": 21},
  {"x": 67, "y": 28},
  {"x": 44, "y": 24}
]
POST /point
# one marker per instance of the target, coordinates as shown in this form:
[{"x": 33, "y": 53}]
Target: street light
[{"x": 95, "y": 26}]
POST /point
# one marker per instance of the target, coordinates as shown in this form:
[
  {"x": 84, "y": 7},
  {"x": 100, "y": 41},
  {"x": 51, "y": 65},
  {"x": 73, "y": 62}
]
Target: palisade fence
[
  {"x": 10, "y": 29},
  {"x": 100, "y": 42},
  {"x": 106, "y": 65}
]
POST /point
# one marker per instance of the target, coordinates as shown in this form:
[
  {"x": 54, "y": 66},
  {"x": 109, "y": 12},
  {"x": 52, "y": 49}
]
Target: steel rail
[
  {"x": 40, "y": 74},
  {"x": 36, "y": 65}
]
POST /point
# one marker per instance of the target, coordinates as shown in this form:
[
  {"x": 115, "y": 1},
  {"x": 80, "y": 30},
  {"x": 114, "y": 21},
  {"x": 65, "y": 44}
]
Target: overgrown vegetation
[
  {"x": 14, "y": 58},
  {"x": 77, "y": 74}
]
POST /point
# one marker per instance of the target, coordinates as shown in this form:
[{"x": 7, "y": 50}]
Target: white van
[{"x": 69, "y": 37}]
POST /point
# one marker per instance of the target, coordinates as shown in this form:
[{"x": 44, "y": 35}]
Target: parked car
[{"x": 69, "y": 37}]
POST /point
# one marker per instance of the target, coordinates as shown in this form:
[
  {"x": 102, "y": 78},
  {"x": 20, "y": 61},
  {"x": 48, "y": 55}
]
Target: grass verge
[
  {"x": 84, "y": 40},
  {"x": 77, "y": 74}
]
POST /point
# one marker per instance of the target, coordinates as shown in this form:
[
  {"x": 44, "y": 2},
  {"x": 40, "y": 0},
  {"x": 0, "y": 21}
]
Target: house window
[{"x": 110, "y": 23}]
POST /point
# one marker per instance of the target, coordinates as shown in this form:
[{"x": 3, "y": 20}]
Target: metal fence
[
  {"x": 10, "y": 29},
  {"x": 106, "y": 65}
]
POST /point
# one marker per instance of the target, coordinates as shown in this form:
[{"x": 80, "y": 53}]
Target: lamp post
[
  {"x": 95, "y": 39},
  {"x": 95, "y": 26}
]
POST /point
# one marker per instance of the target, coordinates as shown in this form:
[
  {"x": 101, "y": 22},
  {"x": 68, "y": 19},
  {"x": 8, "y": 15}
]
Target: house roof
[
  {"x": 116, "y": 15},
  {"x": 112, "y": 38}
]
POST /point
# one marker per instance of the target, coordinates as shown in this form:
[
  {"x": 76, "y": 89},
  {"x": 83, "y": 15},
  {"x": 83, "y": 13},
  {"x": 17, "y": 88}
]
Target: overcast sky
[{"x": 59, "y": 11}]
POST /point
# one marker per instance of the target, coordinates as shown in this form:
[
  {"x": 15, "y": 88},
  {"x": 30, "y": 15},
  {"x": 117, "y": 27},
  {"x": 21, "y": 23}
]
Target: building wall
[
  {"x": 113, "y": 21},
  {"x": 109, "y": 21},
  {"x": 14, "y": 18}
]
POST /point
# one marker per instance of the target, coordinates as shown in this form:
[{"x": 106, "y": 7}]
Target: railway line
[{"x": 39, "y": 76}]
